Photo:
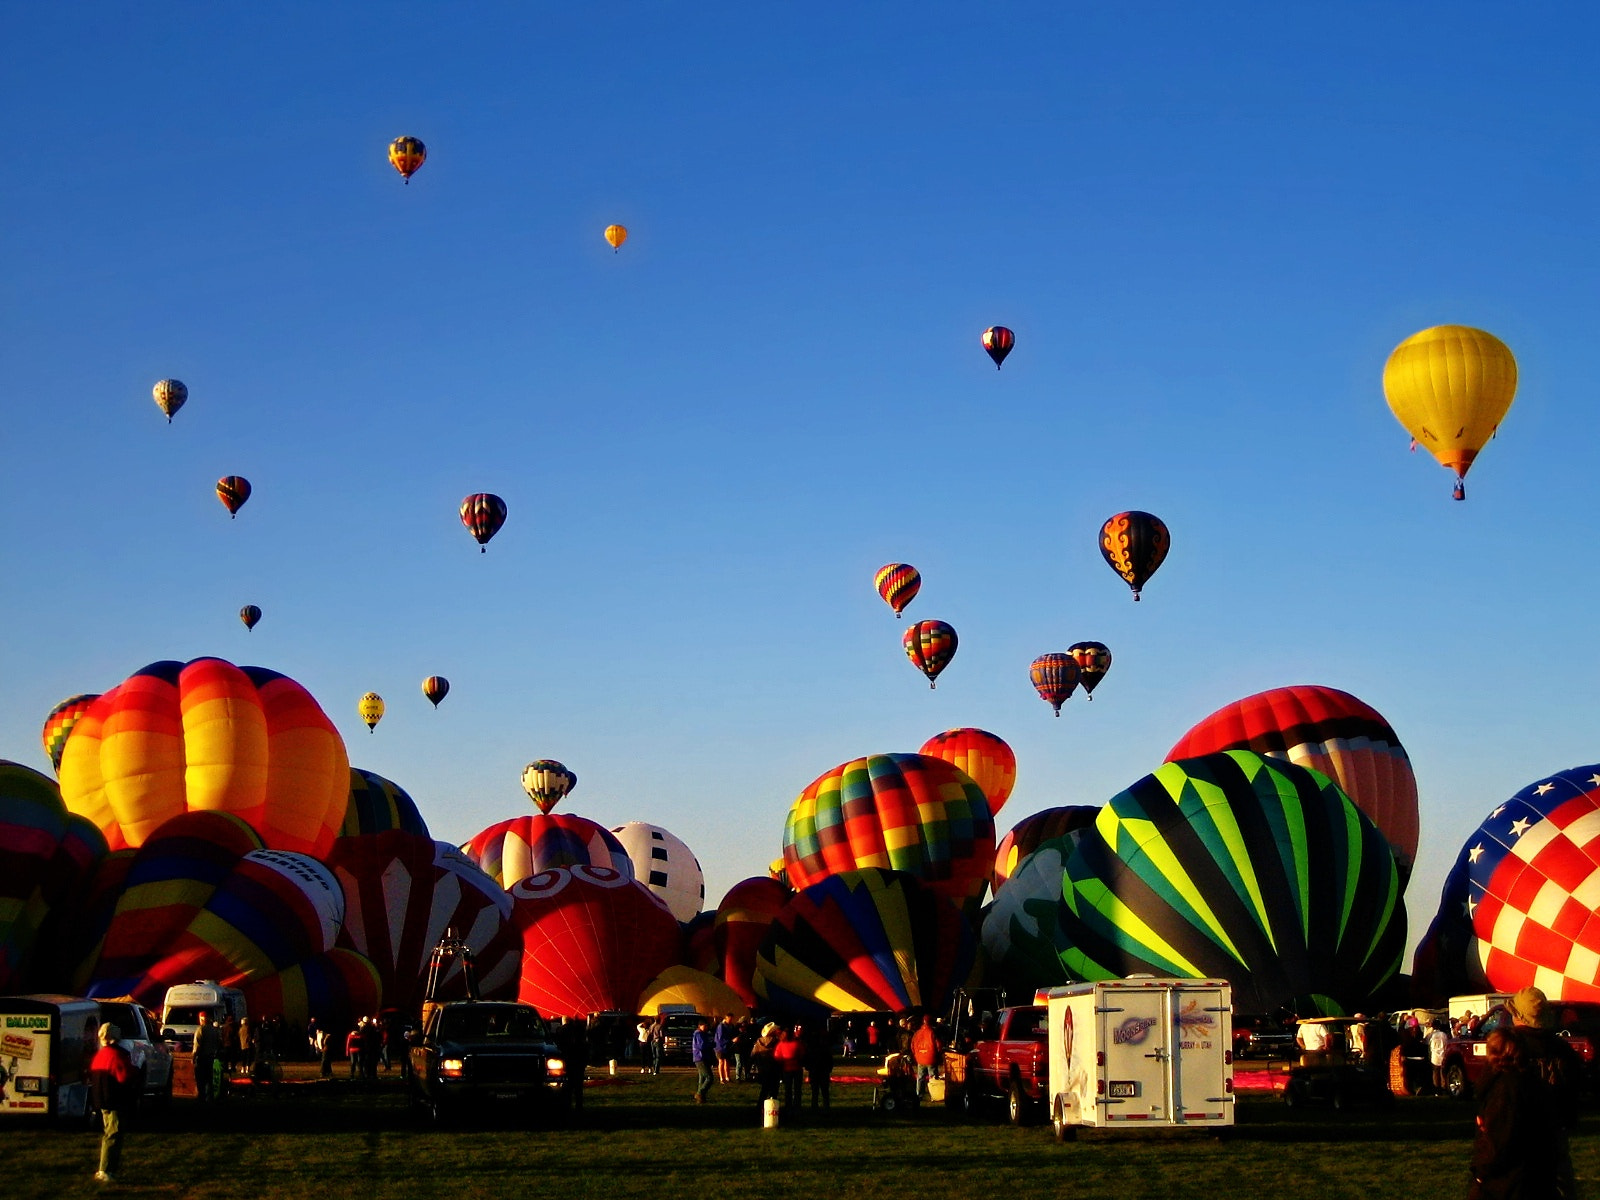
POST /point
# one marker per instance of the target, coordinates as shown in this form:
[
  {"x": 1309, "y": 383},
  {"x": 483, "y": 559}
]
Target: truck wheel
[
  {"x": 1017, "y": 1104},
  {"x": 1455, "y": 1082},
  {"x": 969, "y": 1101},
  {"x": 890, "y": 1103}
]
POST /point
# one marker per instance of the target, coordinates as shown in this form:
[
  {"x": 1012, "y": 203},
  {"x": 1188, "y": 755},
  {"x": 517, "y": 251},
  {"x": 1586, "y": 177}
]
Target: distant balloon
[
  {"x": 616, "y": 235},
  {"x": 170, "y": 395},
  {"x": 249, "y": 614},
  {"x": 233, "y": 491},
  {"x": 1451, "y": 386},
  {"x": 898, "y": 584},
  {"x": 986, "y": 758},
  {"x": 546, "y": 781},
  {"x": 1134, "y": 544},
  {"x": 998, "y": 341},
  {"x": 435, "y": 688},
  {"x": 1055, "y": 677},
  {"x": 663, "y": 862},
  {"x": 1093, "y": 660},
  {"x": 370, "y": 707},
  {"x": 930, "y": 645},
  {"x": 58, "y": 724},
  {"x": 406, "y": 154},
  {"x": 483, "y": 513}
]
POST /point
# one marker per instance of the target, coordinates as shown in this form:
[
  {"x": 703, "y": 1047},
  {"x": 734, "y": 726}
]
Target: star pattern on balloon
[
  {"x": 1544, "y": 789},
  {"x": 1475, "y": 853}
]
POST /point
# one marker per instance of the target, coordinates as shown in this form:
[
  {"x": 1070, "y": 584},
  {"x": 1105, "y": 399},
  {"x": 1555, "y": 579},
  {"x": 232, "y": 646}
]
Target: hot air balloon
[
  {"x": 684, "y": 989},
  {"x": 864, "y": 941},
  {"x": 1134, "y": 544},
  {"x": 663, "y": 862},
  {"x": 511, "y": 850},
  {"x": 905, "y": 812},
  {"x": 1054, "y": 676},
  {"x": 59, "y": 723},
  {"x": 483, "y": 513},
  {"x": 1451, "y": 386},
  {"x": 998, "y": 341},
  {"x": 986, "y": 758},
  {"x": 930, "y": 645},
  {"x": 370, "y": 709},
  {"x": 1239, "y": 867},
  {"x": 592, "y": 940},
  {"x": 1021, "y": 927},
  {"x": 403, "y": 891},
  {"x": 208, "y": 735},
  {"x": 406, "y": 154},
  {"x": 700, "y": 942},
  {"x": 1093, "y": 660},
  {"x": 898, "y": 584},
  {"x": 615, "y": 236},
  {"x": 1329, "y": 731},
  {"x": 250, "y": 614},
  {"x": 378, "y": 805},
  {"x": 1028, "y": 834},
  {"x": 170, "y": 395},
  {"x": 546, "y": 781},
  {"x": 435, "y": 688},
  {"x": 741, "y": 924},
  {"x": 233, "y": 491}
]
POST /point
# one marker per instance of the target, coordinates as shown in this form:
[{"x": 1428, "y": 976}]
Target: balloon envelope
[
  {"x": 1028, "y": 834},
  {"x": 435, "y": 688},
  {"x": 998, "y": 341},
  {"x": 370, "y": 708},
  {"x": 1134, "y": 544},
  {"x": 170, "y": 395},
  {"x": 986, "y": 759},
  {"x": 406, "y": 154},
  {"x": 1054, "y": 677},
  {"x": 523, "y": 846},
  {"x": 1451, "y": 386},
  {"x": 547, "y": 782},
  {"x": 378, "y": 805},
  {"x": 616, "y": 235},
  {"x": 663, "y": 862},
  {"x": 898, "y": 584},
  {"x": 59, "y": 723},
  {"x": 742, "y": 920},
  {"x": 233, "y": 491},
  {"x": 679, "y": 986},
  {"x": 483, "y": 513},
  {"x": 930, "y": 645}
]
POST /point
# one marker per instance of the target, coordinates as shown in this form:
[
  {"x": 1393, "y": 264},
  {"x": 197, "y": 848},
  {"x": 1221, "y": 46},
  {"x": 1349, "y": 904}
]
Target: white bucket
[
  {"x": 613, "y": 1066},
  {"x": 769, "y": 1113}
]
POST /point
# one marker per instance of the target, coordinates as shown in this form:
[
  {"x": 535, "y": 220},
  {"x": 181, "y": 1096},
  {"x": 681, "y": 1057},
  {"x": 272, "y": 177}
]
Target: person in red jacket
[
  {"x": 791, "y": 1058},
  {"x": 112, "y": 1081}
]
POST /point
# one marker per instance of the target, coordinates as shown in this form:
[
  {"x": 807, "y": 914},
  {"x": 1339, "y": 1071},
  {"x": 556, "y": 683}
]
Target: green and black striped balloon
[{"x": 1238, "y": 867}]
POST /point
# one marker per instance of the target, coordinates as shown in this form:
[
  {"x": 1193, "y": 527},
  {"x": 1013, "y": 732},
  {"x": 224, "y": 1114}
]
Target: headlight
[
  {"x": 555, "y": 1066},
  {"x": 452, "y": 1068}
]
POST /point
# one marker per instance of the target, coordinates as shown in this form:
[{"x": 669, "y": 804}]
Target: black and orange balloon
[
  {"x": 435, "y": 688},
  {"x": 998, "y": 341},
  {"x": 250, "y": 614},
  {"x": 1134, "y": 544},
  {"x": 483, "y": 513},
  {"x": 233, "y": 491},
  {"x": 406, "y": 154},
  {"x": 1094, "y": 660}
]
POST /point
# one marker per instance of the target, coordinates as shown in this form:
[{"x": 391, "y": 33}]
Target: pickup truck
[
  {"x": 1010, "y": 1060},
  {"x": 141, "y": 1038},
  {"x": 1466, "y": 1057},
  {"x": 486, "y": 1054}
]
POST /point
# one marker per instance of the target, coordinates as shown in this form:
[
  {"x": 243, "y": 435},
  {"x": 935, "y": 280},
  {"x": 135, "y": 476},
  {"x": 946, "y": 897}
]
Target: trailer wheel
[
  {"x": 969, "y": 1102},
  {"x": 1058, "y": 1123}
]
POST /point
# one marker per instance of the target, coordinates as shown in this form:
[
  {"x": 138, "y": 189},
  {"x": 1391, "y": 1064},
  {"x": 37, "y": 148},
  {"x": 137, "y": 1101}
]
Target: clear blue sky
[{"x": 1207, "y": 227}]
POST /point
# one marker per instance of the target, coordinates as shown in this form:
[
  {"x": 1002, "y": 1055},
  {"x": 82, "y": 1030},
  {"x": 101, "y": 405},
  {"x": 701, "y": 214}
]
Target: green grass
[{"x": 642, "y": 1137}]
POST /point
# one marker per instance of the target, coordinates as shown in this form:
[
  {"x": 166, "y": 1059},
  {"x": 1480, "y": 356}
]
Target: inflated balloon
[
  {"x": 864, "y": 941},
  {"x": 1134, "y": 544},
  {"x": 483, "y": 513},
  {"x": 402, "y": 893},
  {"x": 523, "y": 846},
  {"x": 406, "y": 154},
  {"x": 592, "y": 940},
  {"x": 683, "y": 989},
  {"x": 1093, "y": 660},
  {"x": 1054, "y": 677},
  {"x": 1021, "y": 930},
  {"x": 250, "y": 614},
  {"x": 998, "y": 341},
  {"x": 663, "y": 862},
  {"x": 546, "y": 781},
  {"x": 47, "y": 854},
  {"x": 378, "y": 805},
  {"x": 903, "y": 812},
  {"x": 208, "y": 735},
  {"x": 700, "y": 942},
  {"x": 1451, "y": 386},
  {"x": 435, "y": 688},
  {"x": 1518, "y": 907},
  {"x": 370, "y": 709},
  {"x": 59, "y": 723},
  {"x": 930, "y": 645},
  {"x": 898, "y": 584},
  {"x": 615, "y": 236},
  {"x": 1028, "y": 834},
  {"x": 986, "y": 758},
  {"x": 1239, "y": 867},
  {"x": 170, "y": 395},
  {"x": 741, "y": 925},
  {"x": 233, "y": 491},
  {"x": 1329, "y": 731}
]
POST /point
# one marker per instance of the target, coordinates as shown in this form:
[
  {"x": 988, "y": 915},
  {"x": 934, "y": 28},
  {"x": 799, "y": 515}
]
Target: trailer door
[
  {"x": 1138, "y": 1054},
  {"x": 1202, "y": 1028}
]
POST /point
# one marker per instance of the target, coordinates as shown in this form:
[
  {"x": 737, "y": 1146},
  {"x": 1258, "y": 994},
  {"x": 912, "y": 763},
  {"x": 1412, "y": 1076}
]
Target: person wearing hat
[
  {"x": 764, "y": 1062},
  {"x": 1552, "y": 1060},
  {"x": 111, "y": 1079},
  {"x": 703, "y": 1051}
]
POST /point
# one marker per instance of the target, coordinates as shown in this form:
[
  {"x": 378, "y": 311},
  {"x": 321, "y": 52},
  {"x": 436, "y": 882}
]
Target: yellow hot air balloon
[
  {"x": 1450, "y": 386},
  {"x": 616, "y": 235},
  {"x": 406, "y": 154},
  {"x": 371, "y": 709}
]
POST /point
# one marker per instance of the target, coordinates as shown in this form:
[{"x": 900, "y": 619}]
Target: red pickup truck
[
  {"x": 1466, "y": 1058},
  {"x": 1010, "y": 1060}
]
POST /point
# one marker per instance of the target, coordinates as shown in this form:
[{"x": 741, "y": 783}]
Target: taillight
[
  {"x": 1099, "y": 1058},
  {"x": 1227, "y": 1084},
  {"x": 1099, "y": 1087},
  {"x": 1227, "y": 1058}
]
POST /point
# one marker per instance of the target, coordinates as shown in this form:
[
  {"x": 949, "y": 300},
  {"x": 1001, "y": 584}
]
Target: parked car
[
  {"x": 1466, "y": 1059},
  {"x": 483, "y": 1053},
  {"x": 1263, "y": 1037}
]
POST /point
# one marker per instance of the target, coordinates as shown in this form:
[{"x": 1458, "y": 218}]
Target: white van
[{"x": 180, "y": 1011}]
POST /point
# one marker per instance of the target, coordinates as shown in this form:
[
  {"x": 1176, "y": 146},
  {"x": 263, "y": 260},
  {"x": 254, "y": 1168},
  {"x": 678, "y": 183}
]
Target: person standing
[
  {"x": 658, "y": 1044},
  {"x": 764, "y": 1063},
  {"x": 1312, "y": 1038},
  {"x": 112, "y": 1080},
  {"x": 819, "y": 1065},
  {"x": 207, "y": 1049},
  {"x": 703, "y": 1050},
  {"x": 791, "y": 1058},
  {"x": 1554, "y": 1065},
  {"x": 925, "y": 1053},
  {"x": 1438, "y": 1040},
  {"x": 1512, "y": 1148},
  {"x": 723, "y": 1042},
  {"x": 572, "y": 1039},
  {"x": 646, "y": 1024}
]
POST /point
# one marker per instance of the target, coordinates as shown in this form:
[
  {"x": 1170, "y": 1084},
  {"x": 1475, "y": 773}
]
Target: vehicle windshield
[
  {"x": 498, "y": 1021},
  {"x": 1034, "y": 1024},
  {"x": 189, "y": 1014}
]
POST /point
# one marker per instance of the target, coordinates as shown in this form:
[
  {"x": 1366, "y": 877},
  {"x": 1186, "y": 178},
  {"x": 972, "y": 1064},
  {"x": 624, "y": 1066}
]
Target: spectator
[
  {"x": 1554, "y": 1065},
  {"x": 764, "y": 1062},
  {"x": 1513, "y": 1148},
  {"x": 207, "y": 1050},
  {"x": 790, "y": 1054},
  {"x": 819, "y": 1065},
  {"x": 703, "y": 1050},
  {"x": 112, "y": 1078},
  {"x": 925, "y": 1053},
  {"x": 1312, "y": 1038},
  {"x": 723, "y": 1043},
  {"x": 1438, "y": 1039}
]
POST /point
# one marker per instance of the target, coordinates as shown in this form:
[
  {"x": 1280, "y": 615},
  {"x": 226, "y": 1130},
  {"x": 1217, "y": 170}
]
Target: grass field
[{"x": 643, "y": 1137}]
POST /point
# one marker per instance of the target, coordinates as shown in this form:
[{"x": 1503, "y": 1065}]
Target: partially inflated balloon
[
  {"x": 1021, "y": 927},
  {"x": 523, "y": 846},
  {"x": 1028, "y": 834},
  {"x": 1054, "y": 677},
  {"x": 406, "y": 154},
  {"x": 370, "y": 709},
  {"x": 677, "y": 987},
  {"x": 663, "y": 862},
  {"x": 435, "y": 688},
  {"x": 615, "y": 236},
  {"x": 378, "y": 805},
  {"x": 1451, "y": 386},
  {"x": 864, "y": 941},
  {"x": 59, "y": 723},
  {"x": 1237, "y": 867},
  {"x": 898, "y": 584},
  {"x": 742, "y": 921},
  {"x": 904, "y": 812},
  {"x": 170, "y": 395},
  {"x": 546, "y": 781},
  {"x": 233, "y": 491},
  {"x": 930, "y": 645},
  {"x": 211, "y": 736},
  {"x": 998, "y": 341},
  {"x": 483, "y": 513},
  {"x": 592, "y": 940},
  {"x": 250, "y": 614},
  {"x": 1329, "y": 731},
  {"x": 1134, "y": 544},
  {"x": 983, "y": 756},
  {"x": 1093, "y": 660}
]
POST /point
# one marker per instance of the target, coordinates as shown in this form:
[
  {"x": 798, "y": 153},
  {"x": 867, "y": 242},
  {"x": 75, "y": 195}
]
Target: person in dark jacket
[
  {"x": 764, "y": 1063},
  {"x": 703, "y": 1051},
  {"x": 1513, "y": 1149},
  {"x": 115, "y": 1089},
  {"x": 819, "y": 1065},
  {"x": 1554, "y": 1064}
]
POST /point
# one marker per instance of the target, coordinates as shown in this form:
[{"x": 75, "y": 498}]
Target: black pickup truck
[{"x": 487, "y": 1055}]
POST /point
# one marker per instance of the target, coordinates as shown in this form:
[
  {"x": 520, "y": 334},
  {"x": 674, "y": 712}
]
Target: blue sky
[{"x": 1207, "y": 228}]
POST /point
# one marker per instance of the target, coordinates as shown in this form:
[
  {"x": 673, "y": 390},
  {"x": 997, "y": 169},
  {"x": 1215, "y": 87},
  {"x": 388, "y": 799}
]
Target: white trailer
[{"x": 1138, "y": 1053}]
